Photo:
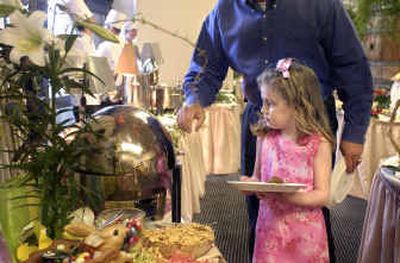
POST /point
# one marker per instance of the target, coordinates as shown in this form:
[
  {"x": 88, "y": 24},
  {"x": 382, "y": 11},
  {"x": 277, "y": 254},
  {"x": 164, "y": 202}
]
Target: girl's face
[{"x": 275, "y": 110}]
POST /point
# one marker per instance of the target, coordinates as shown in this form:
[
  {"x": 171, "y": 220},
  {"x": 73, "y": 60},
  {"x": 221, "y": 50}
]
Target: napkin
[{"x": 341, "y": 183}]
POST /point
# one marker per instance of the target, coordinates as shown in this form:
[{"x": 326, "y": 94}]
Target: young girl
[{"x": 294, "y": 145}]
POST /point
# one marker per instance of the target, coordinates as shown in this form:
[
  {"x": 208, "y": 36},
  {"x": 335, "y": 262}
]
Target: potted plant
[
  {"x": 378, "y": 23},
  {"x": 45, "y": 158},
  {"x": 366, "y": 9}
]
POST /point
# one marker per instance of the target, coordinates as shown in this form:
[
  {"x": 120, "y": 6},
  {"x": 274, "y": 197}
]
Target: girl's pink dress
[{"x": 285, "y": 232}]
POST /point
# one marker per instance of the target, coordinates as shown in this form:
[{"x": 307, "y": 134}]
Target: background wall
[
  {"x": 184, "y": 17},
  {"x": 126, "y": 6},
  {"x": 180, "y": 16}
]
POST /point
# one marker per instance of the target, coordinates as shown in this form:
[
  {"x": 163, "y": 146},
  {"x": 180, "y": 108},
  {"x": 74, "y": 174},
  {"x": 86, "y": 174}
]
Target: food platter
[{"x": 266, "y": 187}]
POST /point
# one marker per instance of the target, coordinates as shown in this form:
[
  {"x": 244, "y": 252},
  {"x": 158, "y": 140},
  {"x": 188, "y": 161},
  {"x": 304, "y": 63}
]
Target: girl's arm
[
  {"x": 257, "y": 165},
  {"x": 322, "y": 176},
  {"x": 256, "y": 176}
]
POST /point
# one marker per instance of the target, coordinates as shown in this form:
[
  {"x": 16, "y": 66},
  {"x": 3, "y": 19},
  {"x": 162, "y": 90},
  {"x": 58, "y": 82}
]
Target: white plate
[{"x": 266, "y": 187}]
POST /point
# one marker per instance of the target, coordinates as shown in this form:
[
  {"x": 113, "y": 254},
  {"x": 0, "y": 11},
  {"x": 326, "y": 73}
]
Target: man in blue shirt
[{"x": 248, "y": 35}]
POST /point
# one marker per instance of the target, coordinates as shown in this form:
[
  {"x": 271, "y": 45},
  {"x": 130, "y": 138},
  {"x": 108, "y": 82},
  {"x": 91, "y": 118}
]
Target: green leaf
[
  {"x": 33, "y": 196},
  {"x": 87, "y": 90},
  {"x": 16, "y": 181},
  {"x": 69, "y": 42},
  {"x": 6, "y": 10},
  {"x": 98, "y": 30},
  {"x": 70, "y": 84}
]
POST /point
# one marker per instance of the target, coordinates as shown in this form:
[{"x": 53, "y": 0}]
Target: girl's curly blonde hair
[{"x": 301, "y": 90}]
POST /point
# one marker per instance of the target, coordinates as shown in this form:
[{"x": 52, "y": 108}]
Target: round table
[{"x": 380, "y": 241}]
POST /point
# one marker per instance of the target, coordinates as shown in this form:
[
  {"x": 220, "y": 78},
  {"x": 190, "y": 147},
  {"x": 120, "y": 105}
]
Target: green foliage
[
  {"x": 388, "y": 9},
  {"x": 98, "y": 30},
  {"x": 226, "y": 97},
  {"x": 47, "y": 155},
  {"x": 14, "y": 214},
  {"x": 5, "y": 10}
]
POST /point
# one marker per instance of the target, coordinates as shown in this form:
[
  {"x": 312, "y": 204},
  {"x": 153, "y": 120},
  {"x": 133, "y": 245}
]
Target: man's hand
[
  {"x": 352, "y": 154},
  {"x": 187, "y": 114}
]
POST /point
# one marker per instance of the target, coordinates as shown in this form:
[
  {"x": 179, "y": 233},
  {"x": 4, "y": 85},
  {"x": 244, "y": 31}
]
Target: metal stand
[{"x": 176, "y": 193}]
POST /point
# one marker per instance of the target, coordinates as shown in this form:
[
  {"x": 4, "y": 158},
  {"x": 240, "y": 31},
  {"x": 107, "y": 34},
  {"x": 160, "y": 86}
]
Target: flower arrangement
[
  {"x": 45, "y": 159},
  {"x": 381, "y": 102},
  {"x": 226, "y": 97}
]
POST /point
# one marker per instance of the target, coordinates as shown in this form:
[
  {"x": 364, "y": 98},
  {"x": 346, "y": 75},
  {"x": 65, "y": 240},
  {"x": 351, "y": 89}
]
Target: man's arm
[
  {"x": 208, "y": 66},
  {"x": 206, "y": 73},
  {"x": 349, "y": 71},
  {"x": 351, "y": 75}
]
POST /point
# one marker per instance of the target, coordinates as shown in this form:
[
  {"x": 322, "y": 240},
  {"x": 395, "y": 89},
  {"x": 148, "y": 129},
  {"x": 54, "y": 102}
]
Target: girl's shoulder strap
[
  {"x": 273, "y": 133},
  {"x": 311, "y": 142},
  {"x": 314, "y": 142}
]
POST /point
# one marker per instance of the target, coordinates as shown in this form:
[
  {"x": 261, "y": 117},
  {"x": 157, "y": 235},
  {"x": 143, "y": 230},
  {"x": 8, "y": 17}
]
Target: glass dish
[{"x": 115, "y": 215}]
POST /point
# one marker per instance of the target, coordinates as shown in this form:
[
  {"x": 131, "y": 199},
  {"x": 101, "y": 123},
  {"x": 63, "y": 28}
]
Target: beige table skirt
[
  {"x": 220, "y": 138},
  {"x": 380, "y": 241}
]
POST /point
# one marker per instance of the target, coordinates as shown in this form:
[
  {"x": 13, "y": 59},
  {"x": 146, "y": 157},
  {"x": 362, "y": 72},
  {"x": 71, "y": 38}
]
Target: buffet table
[
  {"x": 129, "y": 239},
  {"x": 214, "y": 149},
  {"x": 377, "y": 146},
  {"x": 380, "y": 241}
]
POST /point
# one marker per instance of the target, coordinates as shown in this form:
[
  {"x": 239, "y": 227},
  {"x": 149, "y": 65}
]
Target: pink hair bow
[{"x": 283, "y": 66}]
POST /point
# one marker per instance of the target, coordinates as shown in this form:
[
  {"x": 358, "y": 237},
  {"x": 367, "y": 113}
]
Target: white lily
[
  {"x": 27, "y": 36},
  {"x": 15, "y": 3}
]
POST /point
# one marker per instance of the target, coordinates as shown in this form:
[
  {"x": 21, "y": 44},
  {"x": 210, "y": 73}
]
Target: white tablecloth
[
  {"x": 220, "y": 137},
  {"x": 189, "y": 152},
  {"x": 214, "y": 149},
  {"x": 193, "y": 175}
]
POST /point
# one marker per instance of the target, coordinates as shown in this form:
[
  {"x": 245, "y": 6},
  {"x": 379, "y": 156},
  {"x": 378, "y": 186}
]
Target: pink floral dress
[{"x": 285, "y": 232}]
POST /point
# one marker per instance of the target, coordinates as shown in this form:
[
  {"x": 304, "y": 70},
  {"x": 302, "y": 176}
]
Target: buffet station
[
  {"x": 121, "y": 235},
  {"x": 93, "y": 167},
  {"x": 138, "y": 183},
  {"x": 132, "y": 201}
]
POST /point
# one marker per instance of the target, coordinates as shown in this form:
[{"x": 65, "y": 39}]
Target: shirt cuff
[
  {"x": 192, "y": 99},
  {"x": 353, "y": 133}
]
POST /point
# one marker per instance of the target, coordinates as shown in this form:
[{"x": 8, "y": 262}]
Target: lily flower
[{"x": 28, "y": 37}]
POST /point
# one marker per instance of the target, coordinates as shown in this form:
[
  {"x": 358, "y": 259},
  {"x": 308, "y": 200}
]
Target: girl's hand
[
  {"x": 262, "y": 195},
  {"x": 289, "y": 197},
  {"x": 244, "y": 178},
  {"x": 248, "y": 179}
]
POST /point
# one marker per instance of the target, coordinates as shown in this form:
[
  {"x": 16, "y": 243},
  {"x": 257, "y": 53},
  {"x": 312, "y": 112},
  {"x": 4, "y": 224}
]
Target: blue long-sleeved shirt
[{"x": 238, "y": 34}]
